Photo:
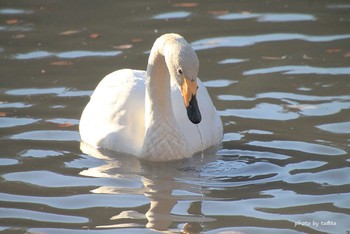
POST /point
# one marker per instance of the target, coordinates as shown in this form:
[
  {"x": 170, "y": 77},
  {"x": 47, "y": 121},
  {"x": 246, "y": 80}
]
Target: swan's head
[{"x": 183, "y": 66}]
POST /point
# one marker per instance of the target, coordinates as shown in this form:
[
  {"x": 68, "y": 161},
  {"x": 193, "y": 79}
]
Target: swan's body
[{"x": 143, "y": 113}]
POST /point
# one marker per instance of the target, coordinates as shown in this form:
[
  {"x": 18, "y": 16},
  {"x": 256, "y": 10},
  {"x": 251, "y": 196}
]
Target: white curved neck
[
  {"x": 163, "y": 138},
  {"x": 158, "y": 98}
]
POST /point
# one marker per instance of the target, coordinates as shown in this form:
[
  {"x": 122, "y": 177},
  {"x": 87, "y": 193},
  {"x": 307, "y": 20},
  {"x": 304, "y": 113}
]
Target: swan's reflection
[{"x": 164, "y": 184}]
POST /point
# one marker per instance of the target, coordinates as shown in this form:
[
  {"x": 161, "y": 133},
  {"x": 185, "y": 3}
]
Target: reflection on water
[
  {"x": 161, "y": 183},
  {"x": 278, "y": 74}
]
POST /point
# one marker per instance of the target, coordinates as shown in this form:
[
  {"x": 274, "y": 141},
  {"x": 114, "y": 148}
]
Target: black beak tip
[
  {"x": 193, "y": 113},
  {"x": 197, "y": 119}
]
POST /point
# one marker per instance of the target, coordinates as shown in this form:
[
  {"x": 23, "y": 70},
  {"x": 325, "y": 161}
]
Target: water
[{"x": 278, "y": 73}]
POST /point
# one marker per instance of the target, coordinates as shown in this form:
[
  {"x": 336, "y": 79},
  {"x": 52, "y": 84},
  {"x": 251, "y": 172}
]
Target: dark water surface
[{"x": 277, "y": 71}]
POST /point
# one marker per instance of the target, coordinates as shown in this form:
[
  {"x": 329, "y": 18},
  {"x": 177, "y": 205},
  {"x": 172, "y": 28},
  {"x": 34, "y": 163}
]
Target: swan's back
[{"x": 114, "y": 117}]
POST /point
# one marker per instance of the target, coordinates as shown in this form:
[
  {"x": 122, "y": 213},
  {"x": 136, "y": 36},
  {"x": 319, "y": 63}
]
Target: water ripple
[
  {"x": 262, "y": 111},
  {"x": 232, "y": 60},
  {"x": 218, "y": 83},
  {"x": 14, "y": 11},
  {"x": 80, "y": 201},
  {"x": 334, "y": 177},
  {"x": 301, "y": 70},
  {"x": 22, "y": 28},
  {"x": 6, "y": 122},
  {"x": 37, "y": 153},
  {"x": 278, "y": 75},
  {"x": 172, "y": 15},
  {"x": 253, "y": 154},
  {"x": 324, "y": 109},
  {"x": 306, "y": 147},
  {"x": 242, "y": 41},
  {"x": 14, "y": 105},
  {"x": 301, "y": 97},
  {"x": 67, "y": 54},
  {"x": 59, "y": 91},
  {"x": 8, "y": 213},
  {"x": 269, "y": 17},
  {"x": 293, "y": 105},
  {"x": 338, "y": 128},
  {"x": 54, "y": 180},
  {"x": 7, "y": 161},
  {"x": 47, "y": 135}
]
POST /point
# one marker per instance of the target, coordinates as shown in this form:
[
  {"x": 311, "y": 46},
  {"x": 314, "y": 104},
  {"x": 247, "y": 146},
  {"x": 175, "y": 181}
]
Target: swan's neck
[
  {"x": 163, "y": 137},
  {"x": 158, "y": 96}
]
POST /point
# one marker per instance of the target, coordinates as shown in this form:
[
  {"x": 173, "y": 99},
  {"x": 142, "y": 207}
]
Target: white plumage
[{"x": 143, "y": 113}]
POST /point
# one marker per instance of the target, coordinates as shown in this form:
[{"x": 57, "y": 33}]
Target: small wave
[
  {"x": 269, "y": 17},
  {"x": 218, "y": 83},
  {"x": 232, "y": 60},
  {"x": 262, "y": 111},
  {"x": 7, "y": 122},
  {"x": 14, "y": 11},
  {"x": 38, "y": 153},
  {"x": 66, "y": 54},
  {"x": 59, "y": 91},
  {"x": 172, "y": 15},
  {"x": 14, "y": 105},
  {"x": 47, "y": 135},
  {"x": 338, "y": 128},
  {"x": 294, "y": 70},
  {"x": 74, "y": 202},
  {"x": 242, "y": 41},
  {"x": 12, "y": 213},
  {"x": 284, "y": 96},
  {"x": 305, "y": 147},
  {"x": 8, "y": 161}
]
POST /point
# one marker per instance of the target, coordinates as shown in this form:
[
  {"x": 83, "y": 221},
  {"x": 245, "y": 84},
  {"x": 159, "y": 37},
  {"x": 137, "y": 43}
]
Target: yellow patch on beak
[{"x": 188, "y": 89}]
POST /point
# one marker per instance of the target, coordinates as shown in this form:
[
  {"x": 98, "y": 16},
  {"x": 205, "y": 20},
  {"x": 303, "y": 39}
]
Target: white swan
[{"x": 153, "y": 114}]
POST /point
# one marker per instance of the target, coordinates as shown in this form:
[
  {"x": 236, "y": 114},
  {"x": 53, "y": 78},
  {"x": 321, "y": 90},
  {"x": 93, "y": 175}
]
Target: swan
[{"x": 162, "y": 114}]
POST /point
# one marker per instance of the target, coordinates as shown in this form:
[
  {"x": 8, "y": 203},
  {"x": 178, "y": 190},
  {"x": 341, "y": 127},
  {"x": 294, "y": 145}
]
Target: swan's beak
[{"x": 189, "y": 91}]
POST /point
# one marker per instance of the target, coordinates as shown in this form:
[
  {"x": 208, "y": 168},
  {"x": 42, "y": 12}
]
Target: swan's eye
[{"x": 179, "y": 71}]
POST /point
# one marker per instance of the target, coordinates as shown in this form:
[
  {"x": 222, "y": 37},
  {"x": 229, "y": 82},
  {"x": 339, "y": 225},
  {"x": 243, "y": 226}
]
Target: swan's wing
[
  {"x": 211, "y": 129},
  {"x": 114, "y": 117}
]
